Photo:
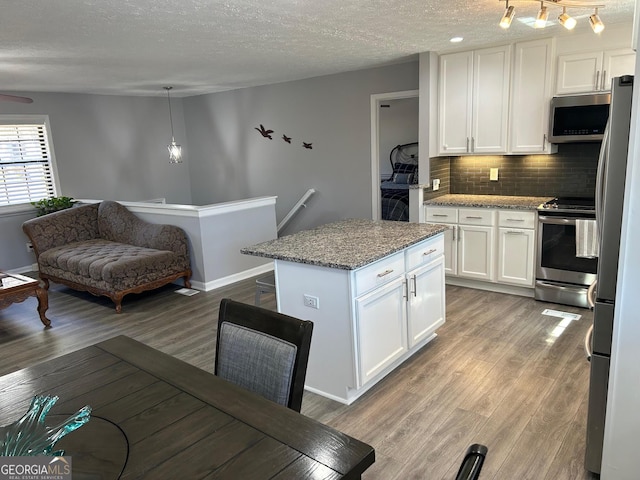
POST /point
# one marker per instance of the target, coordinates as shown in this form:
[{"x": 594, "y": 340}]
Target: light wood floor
[{"x": 500, "y": 373}]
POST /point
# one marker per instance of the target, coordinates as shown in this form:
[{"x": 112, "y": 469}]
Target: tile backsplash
[{"x": 569, "y": 172}]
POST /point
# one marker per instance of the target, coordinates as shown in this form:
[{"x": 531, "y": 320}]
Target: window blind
[{"x": 26, "y": 173}]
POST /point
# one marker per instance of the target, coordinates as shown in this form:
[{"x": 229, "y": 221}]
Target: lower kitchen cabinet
[
  {"x": 425, "y": 300},
  {"x": 489, "y": 245},
  {"x": 381, "y": 323},
  {"x": 475, "y": 252},
  {"x": 516, "y": 249}
]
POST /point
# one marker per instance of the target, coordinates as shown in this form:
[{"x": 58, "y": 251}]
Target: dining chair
[{"x": 263, "y": 351}]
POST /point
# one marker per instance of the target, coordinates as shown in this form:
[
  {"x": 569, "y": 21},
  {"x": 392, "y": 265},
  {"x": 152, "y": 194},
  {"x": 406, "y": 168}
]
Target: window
[{"x": 26, "y": 164}]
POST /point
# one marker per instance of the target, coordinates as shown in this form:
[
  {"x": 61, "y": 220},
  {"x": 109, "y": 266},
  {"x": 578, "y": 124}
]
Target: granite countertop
[
  {"x": 488, "y": 201},
  {"x": 347, "y": 244}
]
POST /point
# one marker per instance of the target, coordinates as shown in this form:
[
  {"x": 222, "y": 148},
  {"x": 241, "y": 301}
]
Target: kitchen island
[{"x": 374, "y": 290}]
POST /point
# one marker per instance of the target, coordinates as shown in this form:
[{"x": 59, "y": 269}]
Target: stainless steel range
[{"x": 561, "y": 276}]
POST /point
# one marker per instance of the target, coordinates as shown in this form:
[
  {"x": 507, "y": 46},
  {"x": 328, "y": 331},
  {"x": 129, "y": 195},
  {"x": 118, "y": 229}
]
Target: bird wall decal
[
  {"x": 264, "y": 132},
  {"x": 286, "y": 139},
  {"x": 307, "y": 145}
]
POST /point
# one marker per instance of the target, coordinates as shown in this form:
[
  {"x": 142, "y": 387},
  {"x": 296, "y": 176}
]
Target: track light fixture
[
  {"x": 541, "y": 18},
  {"x": 505, "y": 22},
  {"x": 566, "y": 20},
  {"x": 175, "y": 150},
  {"x": 596, "y": 23}
]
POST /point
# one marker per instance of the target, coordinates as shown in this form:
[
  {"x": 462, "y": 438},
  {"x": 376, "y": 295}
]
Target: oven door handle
[{"x": 557, "y": 220}]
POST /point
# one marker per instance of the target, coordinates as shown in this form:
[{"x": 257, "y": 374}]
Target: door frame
[{"x": 376, "y": 100}]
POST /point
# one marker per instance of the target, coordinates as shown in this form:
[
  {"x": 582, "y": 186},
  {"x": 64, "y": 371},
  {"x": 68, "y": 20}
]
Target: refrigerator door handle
[
  {"x": 600, "y": 176},
  {"x": 591, "y": 295},
  {"x": 588, "y": 345}
]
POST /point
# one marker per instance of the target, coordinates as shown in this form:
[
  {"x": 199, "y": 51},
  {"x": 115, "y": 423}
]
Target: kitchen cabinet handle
[
  {"x": 473, "y": 147},
  {"x": 454, "y": 228},
  {"x": 405, "y": 289},
  {"x": 439, "y": 215},
  {"x": 544, "y": 141},
  {"x": 415, "y": 286},
  {"x": 385, "y": 273},
  {"x": 604, "y": 81},
  {"x": 514, "y": 232},
  {"x": 473, "y": 217},
  {"x": 515, "y": 219},
  {"x": 597, "y": 80},
  {"x": 467, "y": 144},
  {"x": 429, "y": 252}
]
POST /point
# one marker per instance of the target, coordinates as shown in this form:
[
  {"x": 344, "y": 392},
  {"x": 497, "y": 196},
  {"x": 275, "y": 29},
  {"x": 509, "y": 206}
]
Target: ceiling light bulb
[
  {"x": 596, "y": 23},
  {"x": 505, "y": 22},
  {"x": 566, "y": 20},
  {"x": 541, "y": 19},
  {"x": 456, "y": 39}
]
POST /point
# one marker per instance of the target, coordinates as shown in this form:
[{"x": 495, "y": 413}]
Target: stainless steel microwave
[{"x": 579, "y": 118}]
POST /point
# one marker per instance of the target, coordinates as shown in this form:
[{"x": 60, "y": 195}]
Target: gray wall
[
  {"x": 106, "y": 147},
  {"x": 112, "y": 147},
  {"x": 229, "y": 160}
]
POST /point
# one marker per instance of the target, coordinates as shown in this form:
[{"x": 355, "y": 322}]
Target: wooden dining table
[{"x": 157, "y": 417}]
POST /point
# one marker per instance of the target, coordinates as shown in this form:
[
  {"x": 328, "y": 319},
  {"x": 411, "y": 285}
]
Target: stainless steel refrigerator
[{"x": 612, "y": 168}]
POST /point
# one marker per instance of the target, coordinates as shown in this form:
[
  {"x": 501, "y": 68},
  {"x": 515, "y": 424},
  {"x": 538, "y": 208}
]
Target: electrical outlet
[
  {"x": 311, "y": 301},
  {"x": 29, "y": 247},
  {"x": 435, "y": 184},
  {"x": 493, "y": 174}
]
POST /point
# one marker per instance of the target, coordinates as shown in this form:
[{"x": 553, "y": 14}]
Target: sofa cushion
[{"x": 101, "y": 263}]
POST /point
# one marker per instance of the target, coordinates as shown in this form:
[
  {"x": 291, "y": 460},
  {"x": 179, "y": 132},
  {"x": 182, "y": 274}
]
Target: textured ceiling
[{"x": 135, "y": 47}]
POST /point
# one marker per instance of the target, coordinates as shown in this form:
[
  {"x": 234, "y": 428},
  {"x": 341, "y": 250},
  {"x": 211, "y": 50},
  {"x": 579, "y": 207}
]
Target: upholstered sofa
[{"x": 106, "y": 250}]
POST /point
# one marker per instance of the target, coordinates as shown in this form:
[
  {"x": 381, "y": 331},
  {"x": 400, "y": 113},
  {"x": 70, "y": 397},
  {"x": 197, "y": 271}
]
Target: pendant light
[{"x": 175, "y": 150}]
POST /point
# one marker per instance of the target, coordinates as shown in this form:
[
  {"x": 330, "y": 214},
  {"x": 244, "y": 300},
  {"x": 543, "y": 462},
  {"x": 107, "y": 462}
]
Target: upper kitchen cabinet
[
  {"x": 593, "y": 71},
  {"x": 474, "y": 101},
  {"x": 531, "y": 95}
]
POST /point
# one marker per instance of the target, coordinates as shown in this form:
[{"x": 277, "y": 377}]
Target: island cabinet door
[
  {"x": 426, "y": 300},
  {"x": 381, "y": 334}
]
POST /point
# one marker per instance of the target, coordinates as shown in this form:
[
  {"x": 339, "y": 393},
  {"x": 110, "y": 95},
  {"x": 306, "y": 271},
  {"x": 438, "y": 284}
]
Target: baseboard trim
[{"x": 229, "y": 279}]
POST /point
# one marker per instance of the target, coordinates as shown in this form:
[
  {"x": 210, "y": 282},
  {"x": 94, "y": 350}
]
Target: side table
[{"x": 17, "y": 288}]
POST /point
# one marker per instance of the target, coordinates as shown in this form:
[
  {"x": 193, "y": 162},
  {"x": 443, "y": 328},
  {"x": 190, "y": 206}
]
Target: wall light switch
[
  {"x": 493, "y": 174},
  {"x": 435, "y": 184}
]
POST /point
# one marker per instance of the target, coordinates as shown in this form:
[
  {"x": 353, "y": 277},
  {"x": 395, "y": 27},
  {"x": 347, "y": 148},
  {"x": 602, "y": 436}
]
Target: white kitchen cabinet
[
  {"x": 474, "y": 101},
  {"x": 426, "y": 300},
  {"x": 469, "y": 244},
  {"x": 381, "y": 325},
  {"x": 475, "y": 252},
  {"x": 592, "y": 71},
  {"x": 516, "y": 247},
  {"x": 489, "y": 245},
  {"x": 531, "y": 96}
]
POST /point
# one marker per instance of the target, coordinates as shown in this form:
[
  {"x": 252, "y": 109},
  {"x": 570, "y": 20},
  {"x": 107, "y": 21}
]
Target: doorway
[{"x": 394, "y": 121}]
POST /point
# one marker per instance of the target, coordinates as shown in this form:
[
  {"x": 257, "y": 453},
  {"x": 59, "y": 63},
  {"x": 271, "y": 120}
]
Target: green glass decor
[{"x": 29, "y": 436}]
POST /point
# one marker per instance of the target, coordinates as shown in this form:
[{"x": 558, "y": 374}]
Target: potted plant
[{"x": 52, "y": 204}]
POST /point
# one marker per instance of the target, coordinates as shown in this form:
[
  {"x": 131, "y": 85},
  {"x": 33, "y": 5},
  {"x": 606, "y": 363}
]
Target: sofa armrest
[
  {"x": 163, "y": 237},
  {"x": 59, "y": 228}
]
